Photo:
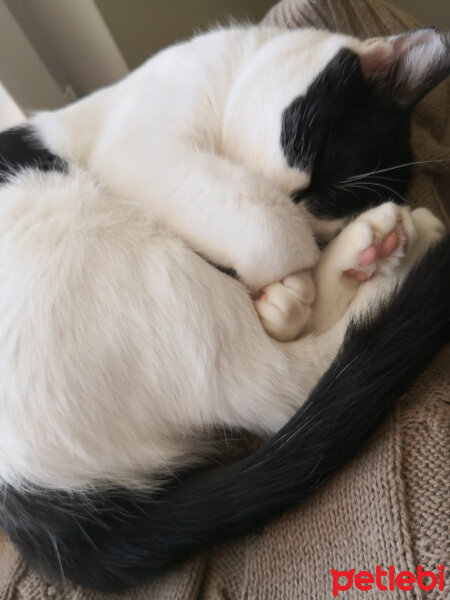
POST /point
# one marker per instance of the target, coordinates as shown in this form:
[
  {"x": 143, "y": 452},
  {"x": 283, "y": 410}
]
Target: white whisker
[
  {"x": 363, "y": 187},
  {"x": 417, "y": 162},
  {"x": 386, "y": 187}
]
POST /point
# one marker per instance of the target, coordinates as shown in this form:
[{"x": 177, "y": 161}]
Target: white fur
[
  {"x": 119, "y": 342},
  {"x": 171, "y": 134},
  {"x": 121, "y": 347}
]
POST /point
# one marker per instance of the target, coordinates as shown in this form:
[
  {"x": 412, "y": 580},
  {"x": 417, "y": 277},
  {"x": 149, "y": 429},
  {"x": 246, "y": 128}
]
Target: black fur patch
[
  {"x": 113, "y": 538},
  {"x": 345, "y": 126},
  {"x": 20, "y": 148}
]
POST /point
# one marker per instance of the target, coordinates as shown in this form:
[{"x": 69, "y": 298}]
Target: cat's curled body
[
  {"x": 121, "y": 346},
  {"x": 194, "y": 136},
  {"x": 186, "y": 151}
]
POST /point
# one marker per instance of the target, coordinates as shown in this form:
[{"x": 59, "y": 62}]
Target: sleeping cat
[{"x": 123, "y": 347}]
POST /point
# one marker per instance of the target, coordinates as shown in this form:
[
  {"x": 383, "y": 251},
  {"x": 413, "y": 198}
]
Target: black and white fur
[{"x": 122, "y": 347}]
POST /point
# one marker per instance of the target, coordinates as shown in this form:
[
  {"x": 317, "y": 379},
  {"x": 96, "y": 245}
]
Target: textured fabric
[{"x": 389, "y": 506}]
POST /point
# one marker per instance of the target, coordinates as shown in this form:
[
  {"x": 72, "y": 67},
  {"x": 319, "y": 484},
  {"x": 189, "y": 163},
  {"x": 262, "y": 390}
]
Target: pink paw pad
[
  {"x": 369, "y": 255},
  {"x": 388, "y": 244}
]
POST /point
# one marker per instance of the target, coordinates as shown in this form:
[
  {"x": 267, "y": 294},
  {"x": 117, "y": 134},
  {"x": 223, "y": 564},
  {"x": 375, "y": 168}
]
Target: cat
[{"x": 122, "y": 346}]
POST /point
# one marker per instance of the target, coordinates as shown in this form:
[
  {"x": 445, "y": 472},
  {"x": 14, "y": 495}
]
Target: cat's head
[{"x": 343, "y": 137}]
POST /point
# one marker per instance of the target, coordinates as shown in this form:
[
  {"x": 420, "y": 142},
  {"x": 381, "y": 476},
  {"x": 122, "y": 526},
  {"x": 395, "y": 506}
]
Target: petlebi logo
[{"x": 387, "y": 580}]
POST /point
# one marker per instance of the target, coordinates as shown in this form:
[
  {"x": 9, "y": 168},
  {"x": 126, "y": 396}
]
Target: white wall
[
  {"x": 10, "y": 113},
  {"x": 53, "y": 51},
  {"x": 73, "y": 41},
  {"x": 22, "y": 71}
]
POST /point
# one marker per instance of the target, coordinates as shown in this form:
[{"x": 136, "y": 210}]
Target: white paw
[
  {"x": 429, "y": 228},
  {"x": 284, "y": 307},
  {"x": 375, "y": 243}
]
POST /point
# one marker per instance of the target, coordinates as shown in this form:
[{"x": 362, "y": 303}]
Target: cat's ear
[{"x": 407, "y": 66}]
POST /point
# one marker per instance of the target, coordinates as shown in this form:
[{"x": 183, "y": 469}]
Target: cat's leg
[
  {"x": 356, "y": 255},
  {"x": 419, "y": 230},
  {"x": 380, "y": 245},
  {"x": 353, "y": 257},
  {"x": 235, "y": 218},
  {"x": 350, "y": 259}
]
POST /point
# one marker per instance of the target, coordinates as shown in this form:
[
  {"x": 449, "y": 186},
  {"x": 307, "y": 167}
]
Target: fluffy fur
[{"x": 123, "y": 348}]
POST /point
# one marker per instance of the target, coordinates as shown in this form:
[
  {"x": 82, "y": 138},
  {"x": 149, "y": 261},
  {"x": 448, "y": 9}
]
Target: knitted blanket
[{"x": 390, "y": 506}]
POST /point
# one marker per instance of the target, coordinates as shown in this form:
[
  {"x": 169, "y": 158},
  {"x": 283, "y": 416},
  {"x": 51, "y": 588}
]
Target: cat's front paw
[
  {"x": 390, "y": 237},
  {"x": 377, "y": 241},
  {"x": 284, "y": 307}
]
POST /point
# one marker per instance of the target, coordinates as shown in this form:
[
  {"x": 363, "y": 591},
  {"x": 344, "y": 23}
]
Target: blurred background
[{"x": 55, "y": 51}]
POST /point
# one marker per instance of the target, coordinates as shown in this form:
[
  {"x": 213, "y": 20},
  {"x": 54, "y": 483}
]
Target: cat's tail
[{"x": 111, "y": 539}]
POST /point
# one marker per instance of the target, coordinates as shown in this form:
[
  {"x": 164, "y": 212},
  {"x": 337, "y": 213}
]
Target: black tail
[{"x": 118, "y": 538}]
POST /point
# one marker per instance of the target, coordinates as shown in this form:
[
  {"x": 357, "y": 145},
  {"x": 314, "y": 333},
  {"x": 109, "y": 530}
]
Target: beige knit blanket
[{"x": 391, "y": 505}]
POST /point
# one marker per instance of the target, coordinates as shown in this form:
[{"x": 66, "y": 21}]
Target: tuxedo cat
[{"x": 123, "y": 347}]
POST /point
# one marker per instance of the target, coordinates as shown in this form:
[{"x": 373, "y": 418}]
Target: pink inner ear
[
  {"x": 377, "y": 57},
  {"x": 407, "y": 65}
]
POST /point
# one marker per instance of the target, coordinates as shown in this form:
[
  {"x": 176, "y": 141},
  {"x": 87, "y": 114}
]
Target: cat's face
[
  {"x": 351, "y": 130},
  {"x": 342, "y": 142},
  {"x": 355, "y": 145}
]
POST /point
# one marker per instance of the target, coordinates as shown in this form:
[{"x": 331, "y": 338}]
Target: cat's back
[{"x": 185, "y": 87}]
